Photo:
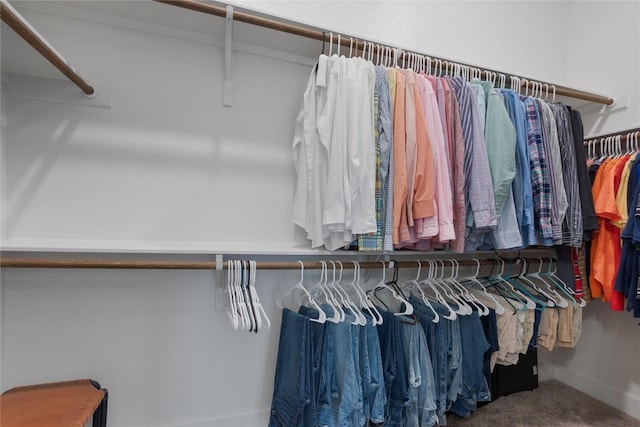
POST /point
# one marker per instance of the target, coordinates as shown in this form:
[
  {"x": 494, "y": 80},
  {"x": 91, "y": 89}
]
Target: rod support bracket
[{"x": 228, "y": 30}]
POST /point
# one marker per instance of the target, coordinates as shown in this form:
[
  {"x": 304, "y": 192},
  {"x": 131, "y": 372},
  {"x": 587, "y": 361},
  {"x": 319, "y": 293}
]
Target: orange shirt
[
  {"x": 605, "y": 256},
  {"x": 597, "y": 266},
  {"x": 399, "y": 160}
]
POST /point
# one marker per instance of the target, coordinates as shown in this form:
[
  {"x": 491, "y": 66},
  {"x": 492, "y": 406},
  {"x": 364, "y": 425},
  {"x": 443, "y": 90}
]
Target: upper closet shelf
[{"x": 295, "y": 28}]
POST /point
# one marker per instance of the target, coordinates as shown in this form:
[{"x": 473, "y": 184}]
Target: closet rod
[
  {"x": 202, "y": 265},
  {"x": 623, "y": 136},
  {"x": 25, "y": 30},
  {"x": 317, "y": 34}
]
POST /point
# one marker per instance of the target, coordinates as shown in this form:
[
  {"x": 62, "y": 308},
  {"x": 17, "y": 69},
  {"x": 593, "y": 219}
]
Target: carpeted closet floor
[{"x": 552, "y": 404}]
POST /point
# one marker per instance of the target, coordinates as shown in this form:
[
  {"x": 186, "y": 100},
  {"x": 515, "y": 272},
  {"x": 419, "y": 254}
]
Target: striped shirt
[
  {"x": 478, "y": 192},
  {"x": 456, "y": 146},
  {"x": 375, "y": 242},
  {"x": 552, "y": 150},
  {"x": 388, "y": 127},
  {"x": 540, "y": 183},
  {"x": 572, "y": 226}
]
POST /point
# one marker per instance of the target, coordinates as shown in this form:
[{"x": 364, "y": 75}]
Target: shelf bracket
[{"x": 228, "y": 27}]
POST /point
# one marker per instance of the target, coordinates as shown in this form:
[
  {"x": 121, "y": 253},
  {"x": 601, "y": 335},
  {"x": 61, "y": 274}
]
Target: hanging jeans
[
  {"x": 373, "y": 389},
  {"x": 394, "y": 368},
  {"x": 474, "y": 384},
  {"x": 292, "y": 387},
  {"x": 439, "y": 343}
]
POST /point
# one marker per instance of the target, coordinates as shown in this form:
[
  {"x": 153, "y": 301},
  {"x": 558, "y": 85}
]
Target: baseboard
[
  {"x": 546, "y": 371},
  {"x": 252, "y": 419},
  {"x": 621, "y": 400}
]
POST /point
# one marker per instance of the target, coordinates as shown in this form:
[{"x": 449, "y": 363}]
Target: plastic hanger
[
  {"x": 256, "y": 299},
  {"x": 324, "y": 292},
  {"x": 474, "y": 279},
  {"x": 233, "y": 312},
  {"x": 361, "y": 319},
  {"x": 483, "y": 310},
  {"x": 253, "y": 304},
  {"x": 499, "y": 280},
  {"x": 527, "y": 300},
  {"x": 365, "y": 303},
  {"x": 524, "y": 290},
  {"x": 342, "y": 302},
  {"x": 550, "y": 286},
  {"x": 453, "y": 291},
  {"x": 430, "y": 283},
  {"x": 413, "y": 284},
  {"x": 463, "y": 308},
  {"x": 560, "y": 284},
  {"x": 408, "y": 307},
  {"x": 244, "y": 315},
  {"x": 244, "y": 286},
  {"x": 524, "y": 279},
  {"x": 322, "y": 316}
]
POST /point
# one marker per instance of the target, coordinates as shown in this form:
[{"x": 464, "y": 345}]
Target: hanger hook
[
  {"x": 477, "y": 267},
  {"x": 419, "y": 269},
  {"x": 324, "y": 39},
  {"x": 301, "y": 271},
  {"x": 330, "y": 43}
]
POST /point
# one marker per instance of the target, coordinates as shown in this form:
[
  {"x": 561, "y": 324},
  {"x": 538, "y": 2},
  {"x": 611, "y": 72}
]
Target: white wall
[
  {"x": 166, "y": 166},
  {"x": 474, "y": 32},
  {"x": 606, "y": 363}
]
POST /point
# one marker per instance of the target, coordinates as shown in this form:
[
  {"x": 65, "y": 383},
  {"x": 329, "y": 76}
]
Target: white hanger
[
  {"x": 463, "y": 307},
  {"x": 413, "y": 284},
  {"x": 483, "y": 310},
  {"x": 321, "y": 286},
  {"x": 439, "y": 280},
  {"x": 244, "y": 286},
  {"x": 340, "y": 300},
  {"x": 260, "y": 309},
  {"x": 474, "y": 279},
  {"x": 240, "y": 301},
  {"x": 365, "y": 303},
  {"x": 550, "y": 286},
  {"x": 429, "y": 281},
  {"x": 330, "y": 44},
  {"x": 563, "y": 286},
  {"x": 233, "y": 312},
  {"x": 322, "y": 316},
  {"x": 360, "y": 318},
  {"x": 332, "y": 291}
]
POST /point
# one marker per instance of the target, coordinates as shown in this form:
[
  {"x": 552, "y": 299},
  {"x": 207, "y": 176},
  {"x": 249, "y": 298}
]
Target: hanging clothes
[{"x": 389, "y": 158}]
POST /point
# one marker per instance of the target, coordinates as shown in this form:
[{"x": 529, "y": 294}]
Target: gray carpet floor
[{"x": 552, "y": 404}]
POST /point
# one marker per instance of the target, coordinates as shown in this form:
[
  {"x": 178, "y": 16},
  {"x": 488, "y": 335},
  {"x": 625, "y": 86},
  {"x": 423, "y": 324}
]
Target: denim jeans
[
  {"x": 421, "y": 408},
  {"x": 438, "y": 340},
  {"x": 320, "y": 385},
  {"x": 474, "y": 386},
  {"x": 292, "y": 386},
  {"x": 394, "y": 368},
  {"x": 346, "y": 392},
  {"x": 490, "y": 327},
  {"x": 374, "y": 391}
]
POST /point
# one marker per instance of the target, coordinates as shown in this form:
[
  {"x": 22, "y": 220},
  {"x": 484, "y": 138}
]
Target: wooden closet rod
[
  {"x": 623, "y": 136},
  {"x": 205, "y": 265},
  {"x": 317, "y": 34},
  {"x": 25, "y": 30}
]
